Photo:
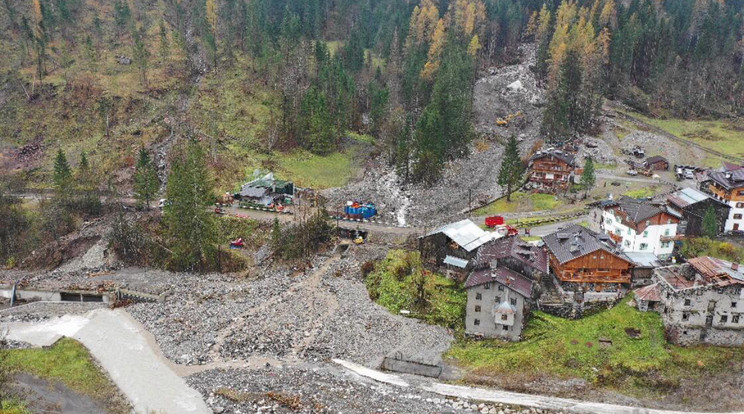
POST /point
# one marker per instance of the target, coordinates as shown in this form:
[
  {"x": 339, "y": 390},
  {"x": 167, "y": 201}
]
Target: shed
[{"x": 656, "y": 163}]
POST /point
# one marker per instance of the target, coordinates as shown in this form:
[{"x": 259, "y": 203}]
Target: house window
[
  {"x": 665, "y": 245},
  {"x": 739, "y": 205},
  {"x": 724, "y": 318},
  {"x": 733, "y": 305},
  {"x": 741, "y": 192},
  {"x": 476, "y": 322},
  {"x": 619, "y": 231},
  {"x": 685, "y": 316},
  {"x": 504, "y": 317},
  {"x": 478, "y": 296},
  {"x": 477, "y": 308},
  {"x": 498, "y": 299},
  {"x": 608, "y": 220},
  {"x": 687, "y": 302},
  {"x": 627, "y": 243},
  {"x": 644, "y": 246},
  {"x": 501, "y": 288},
  {"x": 648, "y": 222},
  {"x": 513, "y": 301},
  {"x": 737, "y": 216},
  {"x": 505, "y": 327},
  {"x": 645, "y": 234},
  {"x": 735, "y": 319},
  {"x": 666, "y": 232},
  {"x": 487, "y": 286}
]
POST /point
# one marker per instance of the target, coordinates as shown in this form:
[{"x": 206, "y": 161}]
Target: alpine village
[{"x": 371, "y": 206}]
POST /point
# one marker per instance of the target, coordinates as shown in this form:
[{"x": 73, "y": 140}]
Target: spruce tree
[
  {"x": 189, "y": 225},
  {"x": 145, "y": 179},
  {"x": 588, "y": 177},
  {"x": 512, "y": 168},
  {"x": 62, "y": 171},
  {"x": 710, "y": 223}
]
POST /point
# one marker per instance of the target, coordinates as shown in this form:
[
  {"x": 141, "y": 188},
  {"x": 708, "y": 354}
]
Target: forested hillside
[{"x": 255, "y": 77}]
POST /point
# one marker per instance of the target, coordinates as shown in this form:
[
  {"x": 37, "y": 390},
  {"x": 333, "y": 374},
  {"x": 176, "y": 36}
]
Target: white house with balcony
[{"x": 640, "y": 226}]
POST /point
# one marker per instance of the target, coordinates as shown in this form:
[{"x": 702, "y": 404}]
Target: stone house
[
  {"x": 499, "y": 303},
  {"x": 702, "y": 302}
]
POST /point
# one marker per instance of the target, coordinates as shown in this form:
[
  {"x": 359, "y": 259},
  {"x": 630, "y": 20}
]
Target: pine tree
[
  {"x": 88, "y": 201},
  {"x": 710, "y": 223},
  {"x": 62, "y": 171},
  {"x": 318, "y": 133},
  {"x": 145, "y": 178},
  {"x": 141, "y": 55},
  {"x": 164, "y": 43},
  {"x": 189, "y": 225},
  {"x": 512, "y": 168},
  {"x": 588, "y": 178}
]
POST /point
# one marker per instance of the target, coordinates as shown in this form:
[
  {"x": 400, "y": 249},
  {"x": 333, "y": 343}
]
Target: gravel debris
[
  {"x": 324, "y": 389},
  {"x": 324, "y": 312}
]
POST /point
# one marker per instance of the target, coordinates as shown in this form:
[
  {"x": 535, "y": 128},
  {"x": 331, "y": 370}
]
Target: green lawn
[
  {"x": 319, "y": 172},
  {"x": 69, "y": 363},
  {"x": 557, "y": 347},
  {"x": 394, "y": 283},
  {"x": 644, "y": 192},
  {"x": 521, "y": 201},
  {"x": 721, "y": 135}
]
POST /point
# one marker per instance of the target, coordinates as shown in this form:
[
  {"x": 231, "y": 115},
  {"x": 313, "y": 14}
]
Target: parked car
[
  {"x": 689, "y": 174},
  {"x": 632, "y": 172}
]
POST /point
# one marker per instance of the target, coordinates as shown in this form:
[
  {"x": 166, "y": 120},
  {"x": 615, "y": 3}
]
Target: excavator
[{"x": 504, "y": 122}]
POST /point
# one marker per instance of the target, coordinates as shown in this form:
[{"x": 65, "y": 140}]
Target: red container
[{"x": 494, "y": 221}]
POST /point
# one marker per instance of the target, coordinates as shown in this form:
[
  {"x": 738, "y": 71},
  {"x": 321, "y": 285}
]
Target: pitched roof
[
  {"x": 636, "y": 210},
  {"x": 728, "y": 179},
  {"x": 517, "y": 282},
  {"x": 561, "y": 155},
  {"x": 650, "y": 293},
  {"x": 686, "y": 197},
  {"x": 253, "y": 192},
  {"x": 456, "y": 261},
  {"x": 712, "y": 267},
  {"x": 466, "y": 234},
  {"x": 513, "y": 246},
  {"x": 576, "y": 241},
  {"x": 643, "y": 259},
  {"x": 712, "y": 272},
  {"x": 655, "y": 158}
]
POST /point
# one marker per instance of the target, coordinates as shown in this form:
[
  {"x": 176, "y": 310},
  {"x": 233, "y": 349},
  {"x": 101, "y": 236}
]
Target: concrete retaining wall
[
  {"x": 411, "y": 367},
  {"x": 52, "y": 296}
]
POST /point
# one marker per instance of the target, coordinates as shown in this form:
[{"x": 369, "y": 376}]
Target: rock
[{"x": 515, "y": 86}]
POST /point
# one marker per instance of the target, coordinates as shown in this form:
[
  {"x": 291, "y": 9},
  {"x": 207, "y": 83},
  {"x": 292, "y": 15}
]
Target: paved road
[
  {"x": 121, "y": 347},
  {"x": 499, "y": 396}
]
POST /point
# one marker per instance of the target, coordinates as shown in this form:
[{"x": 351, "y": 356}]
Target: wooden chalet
[
  {"x": 579, "y": 255},
  {"x": 551, "y": 169}
]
